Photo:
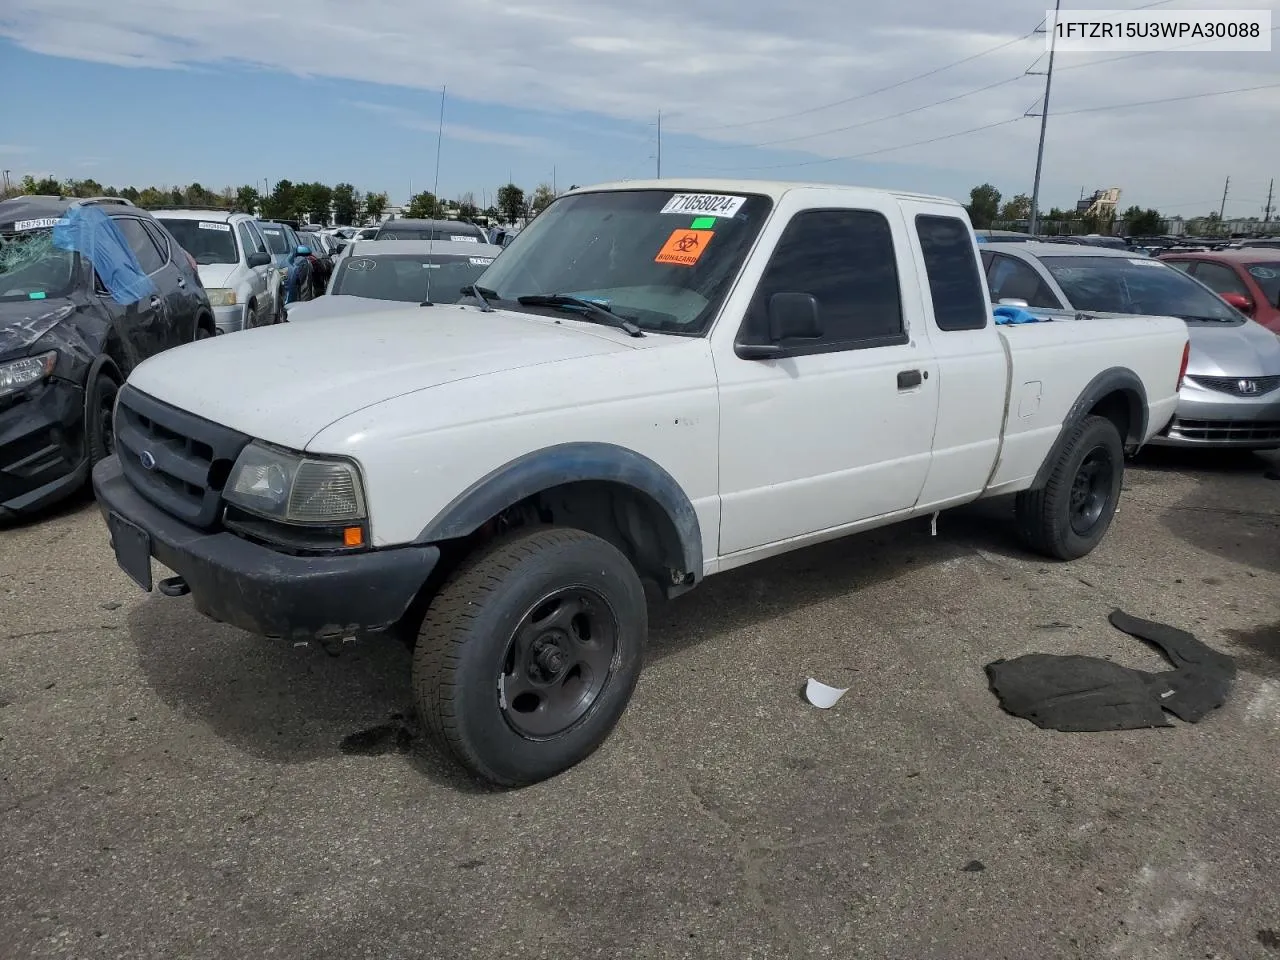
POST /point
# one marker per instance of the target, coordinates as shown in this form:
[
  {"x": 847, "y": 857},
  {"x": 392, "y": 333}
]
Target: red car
[{"x": 1248, "y": 279}]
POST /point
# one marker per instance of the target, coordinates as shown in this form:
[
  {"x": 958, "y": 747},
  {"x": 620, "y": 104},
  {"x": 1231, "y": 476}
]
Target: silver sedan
[{"x": 1231, "y": 394}]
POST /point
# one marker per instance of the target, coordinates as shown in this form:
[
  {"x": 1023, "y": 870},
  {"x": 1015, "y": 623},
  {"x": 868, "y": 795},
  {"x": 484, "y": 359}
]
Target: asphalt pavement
[{"x": 171, "y": 787}]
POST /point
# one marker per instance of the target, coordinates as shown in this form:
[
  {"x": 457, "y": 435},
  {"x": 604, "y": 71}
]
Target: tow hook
[{"x": 173, "y": 587}]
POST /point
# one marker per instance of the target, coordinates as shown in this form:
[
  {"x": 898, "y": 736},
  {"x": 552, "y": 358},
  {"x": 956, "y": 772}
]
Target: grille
[
  {"x": 1231, "y": 385},
  {"x": 1224, "y": 431},
  {"x": 189, "y": 458}
]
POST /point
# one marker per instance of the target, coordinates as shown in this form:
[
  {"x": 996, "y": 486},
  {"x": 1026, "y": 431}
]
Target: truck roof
[{"x": 774, "y": 189}]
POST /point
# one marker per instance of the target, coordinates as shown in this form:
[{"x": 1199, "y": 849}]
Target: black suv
[{"x": 67, "y": 341}]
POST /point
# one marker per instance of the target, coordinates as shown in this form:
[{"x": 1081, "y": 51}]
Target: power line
[
  {"x": 861, "y": 123},
  {"x": 1149, "y": 103},
  {"x": 1142, "y": 53},
  {"x": 872, "y": 93},
  {"x": 873, "y": 153}
]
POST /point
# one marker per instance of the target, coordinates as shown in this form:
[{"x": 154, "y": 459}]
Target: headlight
[
  {"x": 221, "y": 296},
  {"x": 17, "y": 374},
  {"x": 293, "y": 488}
]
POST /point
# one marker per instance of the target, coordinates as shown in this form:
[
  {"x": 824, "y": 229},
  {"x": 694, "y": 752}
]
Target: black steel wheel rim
[
  {"x": 1090, "y": 489},
  {"x": 560, "y": 658}
]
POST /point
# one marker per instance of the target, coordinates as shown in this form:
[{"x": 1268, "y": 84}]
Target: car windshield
[
  {"x": 660, "y": 259},
  {"x": 410, "y": 277},
  {"x": 32, "y": 268},
  {"x": 1267, "y": 276},
  {"x": 461, "y": 234},
  {"x": 1136, "y": 285},
  {"x": 209, "y": 241},
  {"x": 277, "y": 242}
]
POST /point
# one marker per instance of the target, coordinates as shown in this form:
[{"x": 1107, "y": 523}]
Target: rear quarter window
[{"x": 955, "y": 284}]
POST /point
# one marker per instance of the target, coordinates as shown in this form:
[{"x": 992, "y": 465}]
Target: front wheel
[
  {"x": 1069, "y": 516},
  {"x": 100, "y": 437},
  {"x": 529, "y": 654}
]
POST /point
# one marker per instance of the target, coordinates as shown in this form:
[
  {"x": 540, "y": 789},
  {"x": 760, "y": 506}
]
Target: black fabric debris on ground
[{"x": 1078, "y": 694}]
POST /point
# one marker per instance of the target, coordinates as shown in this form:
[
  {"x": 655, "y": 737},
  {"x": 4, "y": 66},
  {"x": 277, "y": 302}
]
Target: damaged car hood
[
  {"x": 24, "y": 322},
  {"x": 1247, "y": 350},
  {"x": 286, "y": 383}
]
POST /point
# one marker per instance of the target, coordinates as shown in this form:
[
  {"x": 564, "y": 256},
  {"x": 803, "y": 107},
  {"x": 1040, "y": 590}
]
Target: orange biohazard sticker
[{"x": 684, "y": 247}]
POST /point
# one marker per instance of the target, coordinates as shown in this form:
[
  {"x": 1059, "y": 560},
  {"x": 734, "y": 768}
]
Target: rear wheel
[
  {"x": 100, "y": 437},
  {"x": 529, "y": 654},
  {"x": 1069, "y": 516}
]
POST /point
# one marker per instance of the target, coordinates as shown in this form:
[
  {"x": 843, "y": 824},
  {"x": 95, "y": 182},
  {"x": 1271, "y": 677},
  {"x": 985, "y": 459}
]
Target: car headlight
[
  {"x": 221, "y": 296},
  {"x": 294, "y": 488},
  {"x": 17, "y": 374}
]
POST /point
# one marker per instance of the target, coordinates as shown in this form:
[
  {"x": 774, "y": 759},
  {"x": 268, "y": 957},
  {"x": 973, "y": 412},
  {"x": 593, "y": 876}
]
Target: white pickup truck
[{"x": 657, "y": 381}]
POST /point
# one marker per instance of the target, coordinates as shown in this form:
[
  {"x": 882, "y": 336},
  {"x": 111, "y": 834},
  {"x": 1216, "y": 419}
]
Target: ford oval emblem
[{"x": 147, "y": 459}]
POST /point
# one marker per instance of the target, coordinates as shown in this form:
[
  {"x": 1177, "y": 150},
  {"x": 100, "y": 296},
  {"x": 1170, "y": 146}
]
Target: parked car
[
  {"x": 391, "y": 273},
  {"x": 321, "y": 261},
  {"x": 1248, "y": 279},
  {"x": 235, "y": 265},
  {"x": 68, "y": 339},
  {"x": 1231, "y": 397},
  {"x": 455, "y": 230},
  {"x": 282, "y": 243},
  {"x": 719, "y": 373}
]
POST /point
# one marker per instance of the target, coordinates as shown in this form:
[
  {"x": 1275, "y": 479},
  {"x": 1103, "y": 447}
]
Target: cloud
[
  {"x": 716, "y": 66},
  {"x": 452, "y": 131}
]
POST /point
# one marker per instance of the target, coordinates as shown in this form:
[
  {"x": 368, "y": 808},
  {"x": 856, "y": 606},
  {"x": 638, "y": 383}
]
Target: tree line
[
  {"x": 986, "y": 209},
  {"x": 341, "y": 204}
]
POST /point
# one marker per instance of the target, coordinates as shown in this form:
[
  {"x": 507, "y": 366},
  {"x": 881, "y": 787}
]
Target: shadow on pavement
[
  {"x": 287, "y": 704},
  {"x": 1263, "y": 644}
]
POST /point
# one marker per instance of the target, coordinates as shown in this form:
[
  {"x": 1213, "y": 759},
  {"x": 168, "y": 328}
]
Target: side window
[
  {"x": 246, "y": 239},
  {"x": 954, "y": 283},
  {"x": 1183, "y": 265},
  {"x": 845, "y": 260},
  {"x": 140, "y": 242},
  {"x": 1011, "y": 279},
  {"x": 157, "y": 234},
  {"x": 1219, "y": 279}
]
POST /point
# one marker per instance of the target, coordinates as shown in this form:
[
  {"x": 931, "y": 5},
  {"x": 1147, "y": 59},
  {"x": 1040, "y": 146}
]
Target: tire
[
  {"x": 251, "y": 319},
  {"x": 1070, "y": 515},
  {"x": 502, "y": 678},
  {"x": 202, "y": 333},
  {"x": 99, "y": 433}
]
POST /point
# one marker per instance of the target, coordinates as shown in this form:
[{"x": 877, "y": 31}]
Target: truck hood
[
  {"x": 286, "y": 383},
  {"x": 339, "y": 305},
  {"x": 1247, "y": 350}
]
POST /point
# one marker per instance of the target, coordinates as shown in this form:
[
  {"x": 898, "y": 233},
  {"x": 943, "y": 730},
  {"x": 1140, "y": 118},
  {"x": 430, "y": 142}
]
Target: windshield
[
  {"x": 661, "y": 260},
  {"x": 461, "y": 233},
  {"x": 1137, "y": 285},
  {"x": 207, "y": 240},
  {"x": 277, "y": 242},
  {"x": 32, "y": 268},
  {"x": 408, "y": 277},
  {"x": 1267, "y": 276}
]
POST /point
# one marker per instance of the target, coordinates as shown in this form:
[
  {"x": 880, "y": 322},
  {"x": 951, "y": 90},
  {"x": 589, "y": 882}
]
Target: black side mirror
[
  {"x": 794, "y": 316},
  {"x": 259, "y": 259}
]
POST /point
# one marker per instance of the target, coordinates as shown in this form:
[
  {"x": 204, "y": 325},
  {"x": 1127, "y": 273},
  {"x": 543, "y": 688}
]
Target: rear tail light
[{"x": 1186, "y": 359}]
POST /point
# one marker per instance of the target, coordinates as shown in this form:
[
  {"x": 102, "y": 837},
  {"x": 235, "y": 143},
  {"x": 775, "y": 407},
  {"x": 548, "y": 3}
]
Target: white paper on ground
[{"x": 821, "y": 695}]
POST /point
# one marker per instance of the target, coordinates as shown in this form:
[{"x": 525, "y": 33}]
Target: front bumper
[
  {"x": 231, "y": 319},
  {"x": 42, "y": 452},
  {"x": 266, "y": 592},
  {"x": 1213, "y": 419}
]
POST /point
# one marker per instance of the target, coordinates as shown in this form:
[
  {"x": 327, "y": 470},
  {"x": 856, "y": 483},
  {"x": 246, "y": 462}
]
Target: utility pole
[
  {"x": 1044, "y": 123},
  {"x": 439, "y": 140},
  {"x": 659, "y": 144},
  {"x": 554, "y": 193},
  {"x": 1266, "y": 214},
  {"x": 1223, "y": 209}
]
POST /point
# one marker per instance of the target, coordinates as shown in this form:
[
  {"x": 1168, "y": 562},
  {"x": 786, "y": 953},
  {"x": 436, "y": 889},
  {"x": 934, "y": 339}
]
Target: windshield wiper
[
  {"x": 471, "y": 290},
  {"x": 595, "y": 312}
]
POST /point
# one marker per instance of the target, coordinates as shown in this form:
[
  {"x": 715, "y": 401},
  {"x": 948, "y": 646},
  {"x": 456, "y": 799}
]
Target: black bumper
[
  {"x": 262, "y": 591},
  {"x": 42, "y": 452}
]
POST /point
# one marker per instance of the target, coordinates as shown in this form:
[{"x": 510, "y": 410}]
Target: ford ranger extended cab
[{"x": 657, "y": 381}]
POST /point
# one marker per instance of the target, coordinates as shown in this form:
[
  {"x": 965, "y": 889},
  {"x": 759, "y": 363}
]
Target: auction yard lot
[{"x": 174, "y": 787}]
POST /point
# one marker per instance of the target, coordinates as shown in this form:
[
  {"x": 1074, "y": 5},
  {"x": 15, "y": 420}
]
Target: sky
[{"x": 162, "y": 92}]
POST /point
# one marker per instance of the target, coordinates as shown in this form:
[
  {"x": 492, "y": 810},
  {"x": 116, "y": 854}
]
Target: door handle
[
  {"x": 182, "y": 281},
  {"x": 907, "y": 379},
  {"x": 155, "y": 302}
]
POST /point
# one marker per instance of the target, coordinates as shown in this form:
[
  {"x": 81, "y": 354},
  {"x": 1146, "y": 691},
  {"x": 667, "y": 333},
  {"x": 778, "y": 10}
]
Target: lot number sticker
[
  {"x": 704, "y": 204},
  {"x": 35, "y": 224},
  {"x": 206, "y": 225},
  {"x": 684, "y": 247},
  {"x": 480, "y": 261},
  {"x": 464, "y": 239}
]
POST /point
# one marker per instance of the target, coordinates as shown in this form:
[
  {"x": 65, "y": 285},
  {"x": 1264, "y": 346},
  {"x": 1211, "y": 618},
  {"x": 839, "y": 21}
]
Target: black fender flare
[
  {"x": 1120, "y": 380},
  {"x": 564, "y": 463}
]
